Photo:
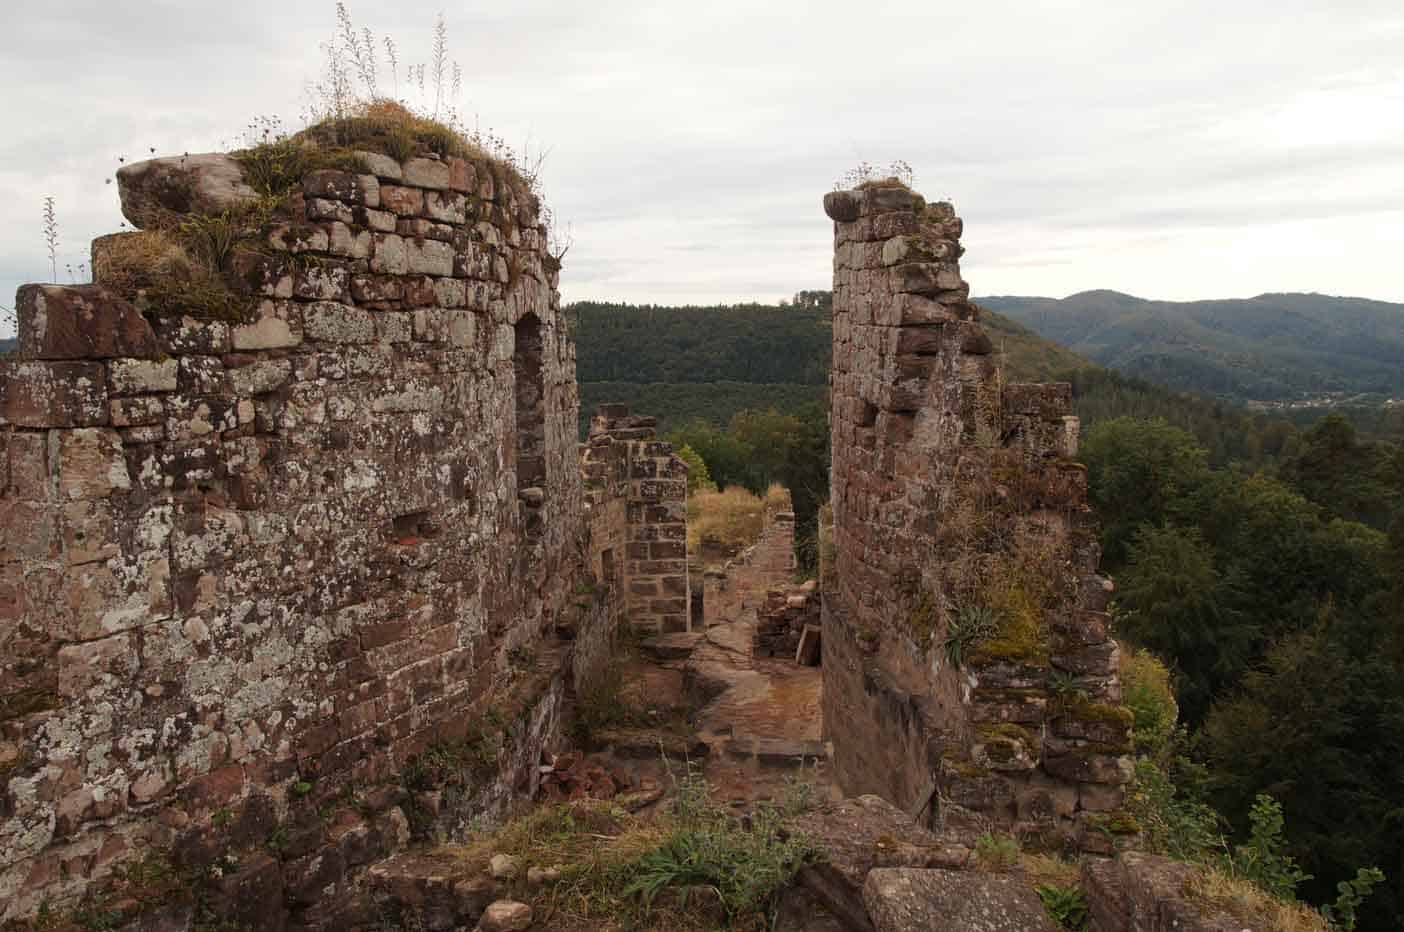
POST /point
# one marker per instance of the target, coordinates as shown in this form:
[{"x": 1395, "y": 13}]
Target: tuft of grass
[
  {"x": 996, "y": 852},
  {"x": 617, "y": 866},
  {"x": 1215, "y": 889},
  {"x": 275, "y": 168},
  {"x": 390, "y": 128},
  {"x": 971, "y": 625},
  {"x": 1044, "y": 868},
  {"x": 185, "y": 265},
  {"x": 729, "y": 520}
]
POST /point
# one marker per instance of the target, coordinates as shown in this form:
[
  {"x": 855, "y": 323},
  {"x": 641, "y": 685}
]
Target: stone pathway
[{"x": 759, "y": 717}]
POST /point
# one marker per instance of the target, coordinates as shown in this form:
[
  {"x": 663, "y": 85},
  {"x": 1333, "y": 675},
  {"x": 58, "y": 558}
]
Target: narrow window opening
[{"x": 531, "y": 417}]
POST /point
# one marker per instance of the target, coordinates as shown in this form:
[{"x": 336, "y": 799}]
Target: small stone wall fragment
[
  {"x": 783, "y": 620},
  {"x": 636, "y": 507}
]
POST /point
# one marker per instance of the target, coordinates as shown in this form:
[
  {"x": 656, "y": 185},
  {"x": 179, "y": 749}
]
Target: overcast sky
[{"x": 1172, "y": 150}]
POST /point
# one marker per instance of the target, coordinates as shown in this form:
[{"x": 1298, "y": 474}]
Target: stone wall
[
  {"x": 249, "y": 564},
  {"x": 966, "y": 653},
  {"x": 788, "y": 624},
  {"x": 636, "y": 507},
  {"x": 740, "y": 586}
]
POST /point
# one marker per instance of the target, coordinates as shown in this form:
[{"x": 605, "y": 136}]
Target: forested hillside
[
  {"x": 1274, "y": 347},
  {"x": 695, "y": 363},
  {"x": 708, "y": 363},
  {"x": 684, "y": 363}
]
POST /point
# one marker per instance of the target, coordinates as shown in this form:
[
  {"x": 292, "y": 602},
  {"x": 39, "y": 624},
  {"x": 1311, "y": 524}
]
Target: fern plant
[{"x": 1067, "y": 906}]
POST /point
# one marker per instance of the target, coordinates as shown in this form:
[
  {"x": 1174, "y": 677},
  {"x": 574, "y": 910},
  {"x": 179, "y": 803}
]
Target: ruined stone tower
[
  {"x": 966, "y": 652},
  {"x": 253, "y": 560}
]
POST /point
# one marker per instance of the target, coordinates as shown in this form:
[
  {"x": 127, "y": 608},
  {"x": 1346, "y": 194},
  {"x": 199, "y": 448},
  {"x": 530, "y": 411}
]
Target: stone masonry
[
  {"x": 788, "y": 624},
  {"x": 636, "y": 507},
  {"x": 250, "y": 564},
  {"x": 966, "y": 653}
]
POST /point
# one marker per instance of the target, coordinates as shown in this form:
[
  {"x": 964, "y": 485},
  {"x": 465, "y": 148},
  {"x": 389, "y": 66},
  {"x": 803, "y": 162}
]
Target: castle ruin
[{"x": 330, "y": 572}]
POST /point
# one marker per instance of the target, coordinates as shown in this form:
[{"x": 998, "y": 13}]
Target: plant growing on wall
[{"x": 51, "y": 236}]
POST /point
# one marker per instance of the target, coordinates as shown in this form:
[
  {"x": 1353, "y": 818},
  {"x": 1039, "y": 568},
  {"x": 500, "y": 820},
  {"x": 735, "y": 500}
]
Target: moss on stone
[
  {"x": 924, "y": 618},
  {"x": 1008, "y": 730},
  {"x": 1021, "y": 637},
  {"x": 1099, "y": 712}
]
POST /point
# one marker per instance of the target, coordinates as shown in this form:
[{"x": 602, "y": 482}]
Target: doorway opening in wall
[{"x": 531, "y": 420}]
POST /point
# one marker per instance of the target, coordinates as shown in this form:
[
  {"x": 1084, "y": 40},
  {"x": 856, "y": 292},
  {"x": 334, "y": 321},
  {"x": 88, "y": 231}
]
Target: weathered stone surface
[
  {"x": 252, "y": 570},
  {"x": 849, "y": 832},
  {"x": 429, "y": 257},
  {"x": 382, "y": 166},
  {"x": 337, "y": 323},
  {"x": 1137, "y": 892},
  {"x": 642, "y": 743},
  {"x": 906, "y": 900},
  {"x": 277, "y": 327},
  {"x": 843, "y": 206},
  {"x": 206, "y": 183},
  {"x": 52, "y": 394},
  {"x": 426, "y": 173},
  {"x": 503, "y": 867},
  {"x": 342, "y": 186},
  {"x": 1085, "y": 765},
  {"x": 80, "y": 322},
  {"x": 506, "y": 916},
  {"x": 141, "y": 376}
]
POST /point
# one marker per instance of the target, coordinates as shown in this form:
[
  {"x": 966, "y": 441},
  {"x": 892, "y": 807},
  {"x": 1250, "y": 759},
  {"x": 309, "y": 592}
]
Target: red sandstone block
[
  {"x": 340, "y": 758},
  {"x": 268, "y": 771},
  {"x": 402, "y": 201},
  {"x": 379, "y": 635},
  {"x": 80, "y": 322},
  {"x": 90, "y": 464},
  {"x": 440, "y": 640},
  {"x": 52, "y": 394},
  {"x": 921, "y": 339},
  {"x": 462, "y": 176},
  {"x": 361, "y": 718},
  {"x": 316, "y": 739},
  {"x": 216, "y": 789},
  {"x": 28, "y": 530}
]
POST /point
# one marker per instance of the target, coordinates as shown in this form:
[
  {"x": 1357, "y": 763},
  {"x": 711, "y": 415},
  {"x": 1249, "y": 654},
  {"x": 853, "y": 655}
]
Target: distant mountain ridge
[{"x": 1274, "y": 347}]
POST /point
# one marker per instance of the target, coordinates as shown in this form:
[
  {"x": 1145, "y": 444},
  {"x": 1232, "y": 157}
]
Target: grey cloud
[{"x": 691, "y": 145}]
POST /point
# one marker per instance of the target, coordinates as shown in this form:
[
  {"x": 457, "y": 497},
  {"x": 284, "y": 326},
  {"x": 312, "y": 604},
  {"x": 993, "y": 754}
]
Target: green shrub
[
  {"x": 1146, "y": 691},
  {"x": 1263, "y": 859},
  {"x": 1351, "y": 893},
  {"x": 1172, "y": 825}
]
